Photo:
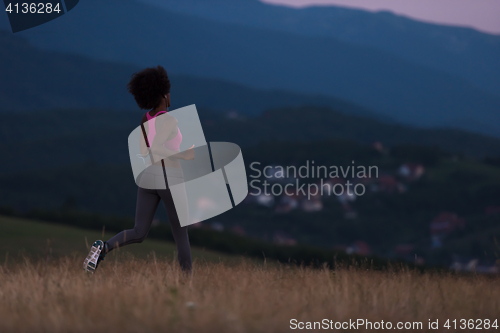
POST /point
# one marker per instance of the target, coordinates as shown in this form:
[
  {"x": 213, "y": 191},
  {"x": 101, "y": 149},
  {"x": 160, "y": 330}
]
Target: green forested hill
[
  {"x": 41, "y": 239},
  {"x": 38, "y": 172},
  {"x": 40, "y": 140}
]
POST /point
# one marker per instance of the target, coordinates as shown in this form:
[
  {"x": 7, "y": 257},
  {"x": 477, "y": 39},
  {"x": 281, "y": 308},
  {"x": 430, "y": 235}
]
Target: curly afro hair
[{"x": 149, "y": 86}]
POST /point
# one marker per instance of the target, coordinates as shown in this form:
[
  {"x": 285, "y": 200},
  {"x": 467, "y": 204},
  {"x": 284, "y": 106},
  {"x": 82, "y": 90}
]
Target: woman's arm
[{"x": 187, "y": 154}]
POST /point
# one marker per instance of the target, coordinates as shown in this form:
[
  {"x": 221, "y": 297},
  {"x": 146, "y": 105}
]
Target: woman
[{"x": 151, "y": 90}]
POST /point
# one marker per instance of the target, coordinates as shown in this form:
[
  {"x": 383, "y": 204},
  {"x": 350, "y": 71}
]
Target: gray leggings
[{"x": 147, "y": 202}]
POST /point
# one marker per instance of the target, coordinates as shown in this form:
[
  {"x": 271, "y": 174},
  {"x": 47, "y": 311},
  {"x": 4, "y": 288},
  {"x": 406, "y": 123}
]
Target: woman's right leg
[{"x": 147, "y": 202}]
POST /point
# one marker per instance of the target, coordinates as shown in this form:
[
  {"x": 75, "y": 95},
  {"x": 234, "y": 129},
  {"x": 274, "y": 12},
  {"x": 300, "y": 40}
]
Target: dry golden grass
[{"x": 148, "y": 295}]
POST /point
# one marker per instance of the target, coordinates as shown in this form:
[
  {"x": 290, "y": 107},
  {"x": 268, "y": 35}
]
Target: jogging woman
[{"x": 151, "y": 90}]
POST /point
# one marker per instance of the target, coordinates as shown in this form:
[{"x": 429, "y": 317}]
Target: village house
[
  {"x": 287, "y": 203},
  {"x": 238, "y": 230},
  {"x": 359, "y": 247},
  {"x": 442, "y": 225},
  {"x": 411, "y": 171},
  {"x": 492, "y": 210},
  {"x": 313, "y": 205},
  {"x": 387, "y": 183},
  {"x": 282, "y": 238}
]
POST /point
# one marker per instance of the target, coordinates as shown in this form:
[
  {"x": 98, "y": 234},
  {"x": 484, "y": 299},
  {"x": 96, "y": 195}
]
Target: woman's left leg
[{"x": 147, "y": 203}]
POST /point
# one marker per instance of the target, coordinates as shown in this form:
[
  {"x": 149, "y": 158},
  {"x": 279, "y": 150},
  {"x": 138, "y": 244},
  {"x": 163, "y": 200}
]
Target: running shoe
[{"x": 95, "y": 256}]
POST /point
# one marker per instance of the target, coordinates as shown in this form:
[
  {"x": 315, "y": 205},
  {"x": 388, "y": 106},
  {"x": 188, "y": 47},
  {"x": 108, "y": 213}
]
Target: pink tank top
[{"x": 172, "y": 144}]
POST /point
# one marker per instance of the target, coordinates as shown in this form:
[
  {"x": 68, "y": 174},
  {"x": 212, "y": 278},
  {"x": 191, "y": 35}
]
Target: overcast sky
[{"x": 483, "y": 15}]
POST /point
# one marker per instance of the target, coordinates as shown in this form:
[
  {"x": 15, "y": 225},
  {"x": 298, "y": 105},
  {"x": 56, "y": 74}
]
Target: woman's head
[{"x": 149, "y": 87}]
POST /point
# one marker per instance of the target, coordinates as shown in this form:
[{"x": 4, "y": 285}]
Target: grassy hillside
[
  {"x": 153, "y": 296},
  {"x": 31, "y": 238}
]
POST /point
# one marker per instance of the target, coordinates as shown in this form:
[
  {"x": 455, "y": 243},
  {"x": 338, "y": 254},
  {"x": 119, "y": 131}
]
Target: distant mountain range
[
  {"x": 369, "y": 63},
  {"x": 462, "y": 52},
  {"x": 34, "y": 80}
]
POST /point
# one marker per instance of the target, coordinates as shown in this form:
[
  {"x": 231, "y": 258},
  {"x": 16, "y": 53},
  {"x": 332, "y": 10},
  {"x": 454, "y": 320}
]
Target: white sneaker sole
[{"x": 90, "y": 263}]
